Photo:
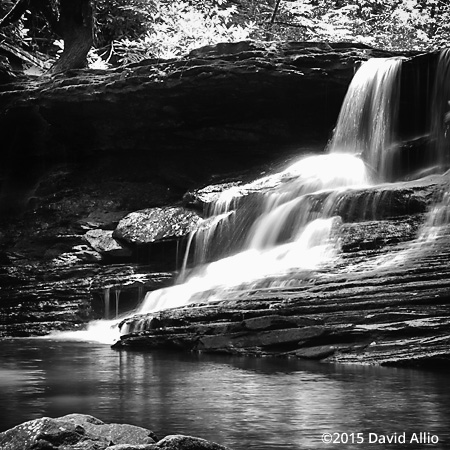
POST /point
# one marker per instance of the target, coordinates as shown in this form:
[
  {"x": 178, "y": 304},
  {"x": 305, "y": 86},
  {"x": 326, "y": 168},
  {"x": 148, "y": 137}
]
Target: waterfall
[
  {"x": 106, "y": 295},
  {"x": 283, "y": 224},
  {"x": 278, "y": 225},
  {"x": 117, "y": 294},
  {"x": 367, "y": 121},
  {"x": 440, "y": 109}
]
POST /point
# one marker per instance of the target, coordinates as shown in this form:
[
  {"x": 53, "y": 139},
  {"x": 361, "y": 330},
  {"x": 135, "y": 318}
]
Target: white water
[
  {"x": 367, "y": 121},
  {"x": 440, "y": 111},
  {"x": 288, "y": 232},
  {"x": 311, "y": 242}
]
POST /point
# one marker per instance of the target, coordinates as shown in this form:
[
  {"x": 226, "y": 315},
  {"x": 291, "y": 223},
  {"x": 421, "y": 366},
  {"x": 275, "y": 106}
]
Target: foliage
[
  {"x": 130, "y": 30},
  {"x": 16, "y": 32},
  {"x": 401, "y": 24},
  {"x": 122, "y": 19},
  {"x": 176, "y": 28}
]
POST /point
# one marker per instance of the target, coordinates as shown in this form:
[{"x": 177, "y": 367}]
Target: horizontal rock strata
[
  {"x": 38, "y": 300},
  {"x": 372, "y": 307}
]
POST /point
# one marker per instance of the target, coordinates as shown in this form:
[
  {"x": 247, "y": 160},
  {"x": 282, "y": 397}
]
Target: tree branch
[{"x": 16, "y": 12}]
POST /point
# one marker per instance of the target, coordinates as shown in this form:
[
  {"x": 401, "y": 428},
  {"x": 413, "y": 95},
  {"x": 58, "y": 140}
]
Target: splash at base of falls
[{"x": 100, "y": 331}]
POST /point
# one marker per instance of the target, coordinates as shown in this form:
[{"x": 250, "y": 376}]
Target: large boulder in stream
[
  {"x": 83, "y": 432},
  {"x": 156, "y": 224}
]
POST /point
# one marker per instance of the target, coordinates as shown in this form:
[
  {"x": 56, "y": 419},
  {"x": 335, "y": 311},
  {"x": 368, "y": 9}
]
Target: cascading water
[
  {"x": 286, "y": 223},
  {"x": 286, "y": 229}
]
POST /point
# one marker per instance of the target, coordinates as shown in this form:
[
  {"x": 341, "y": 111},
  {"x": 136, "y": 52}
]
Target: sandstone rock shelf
[{"x": 393, "y": 309}]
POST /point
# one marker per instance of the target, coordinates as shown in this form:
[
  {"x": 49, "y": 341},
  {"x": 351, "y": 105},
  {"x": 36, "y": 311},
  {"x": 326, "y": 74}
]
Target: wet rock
[
  {"x": 39, "y": 299},
  {"x": 72, "y": 432},
  {"x": 319, "y": 352},
  {"x": 386, "y": 201},
  {"x": 84, "y": 432},
  {"x": 370, "y": 235},
  {"x": 370, "y": 306},
  {"x": 377, "y": 202},
  {"x": 201, "y": 198},
  {"x": 156, "y": 224},
  {"x": 180, "y": 442},
  {"x": 103, "y": 242},
  {"x": 272, "y": 338},
  {"x": 112, "y": 432}
]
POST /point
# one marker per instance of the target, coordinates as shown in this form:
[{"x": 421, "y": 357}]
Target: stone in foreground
[{"x": 84, "y": 432}]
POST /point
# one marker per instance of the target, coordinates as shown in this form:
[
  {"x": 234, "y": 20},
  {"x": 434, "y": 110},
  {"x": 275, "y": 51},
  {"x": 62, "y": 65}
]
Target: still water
[{"x": 244, "y": 403}]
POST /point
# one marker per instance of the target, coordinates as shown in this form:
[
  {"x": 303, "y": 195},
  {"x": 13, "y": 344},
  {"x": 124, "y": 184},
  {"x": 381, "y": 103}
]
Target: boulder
[
  {"x": 72, "y": 432},
  {"x": 156, "y": 224},
  {"x": 84, "y": 432},
  {"x": 181, "y": 442},
  {"x": 103, "y": 242}
]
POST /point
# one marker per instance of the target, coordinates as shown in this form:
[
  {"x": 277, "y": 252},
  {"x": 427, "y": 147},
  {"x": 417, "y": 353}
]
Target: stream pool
[{"x": 243, "y": 403}]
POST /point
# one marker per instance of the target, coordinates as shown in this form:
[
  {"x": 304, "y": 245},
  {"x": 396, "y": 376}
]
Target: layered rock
[
  {"x": 39, "y": 299},
  {"x": 382, "y": 307},
  {"x": 380, "y": 302}
]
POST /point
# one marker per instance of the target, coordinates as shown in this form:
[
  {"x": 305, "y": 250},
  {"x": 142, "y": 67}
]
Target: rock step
[
  {"x": 378, "y": 202},
  {"x": 394, "y": 314},
  {"x": 62, "y": 298}
]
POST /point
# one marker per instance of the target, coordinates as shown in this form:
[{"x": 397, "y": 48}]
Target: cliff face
[{"x": 84, "y": 150}]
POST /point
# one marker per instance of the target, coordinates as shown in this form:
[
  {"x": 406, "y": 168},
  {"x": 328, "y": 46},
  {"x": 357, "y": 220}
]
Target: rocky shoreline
[{"x": 84, "y": 432}]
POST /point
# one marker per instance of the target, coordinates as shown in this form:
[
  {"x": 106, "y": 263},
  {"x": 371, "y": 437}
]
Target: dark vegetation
[{"x": 104, "y": 33}]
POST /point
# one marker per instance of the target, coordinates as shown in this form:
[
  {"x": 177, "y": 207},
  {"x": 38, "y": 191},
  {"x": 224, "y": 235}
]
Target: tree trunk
[{"x": 75, "y": 26}]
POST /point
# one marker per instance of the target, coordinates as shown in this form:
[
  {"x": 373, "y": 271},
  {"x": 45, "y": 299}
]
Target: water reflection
[{"x": 244, "y": 403}]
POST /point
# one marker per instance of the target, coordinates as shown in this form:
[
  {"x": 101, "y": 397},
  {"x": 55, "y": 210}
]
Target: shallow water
[{"x": 244, "y": 403}]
